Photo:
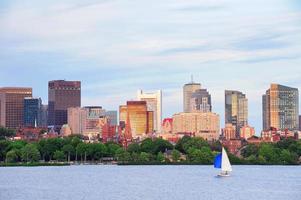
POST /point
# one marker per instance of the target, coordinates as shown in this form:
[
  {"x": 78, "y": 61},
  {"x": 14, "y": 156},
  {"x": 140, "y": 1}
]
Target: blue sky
[{"x": 118, "y": 46}]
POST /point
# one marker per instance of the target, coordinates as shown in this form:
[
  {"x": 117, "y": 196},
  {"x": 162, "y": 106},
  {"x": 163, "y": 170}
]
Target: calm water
[{"x": 149, "y": 182}]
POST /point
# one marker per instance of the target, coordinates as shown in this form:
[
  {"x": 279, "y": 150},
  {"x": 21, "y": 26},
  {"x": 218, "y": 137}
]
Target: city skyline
[{"x": 110, "y": 50}]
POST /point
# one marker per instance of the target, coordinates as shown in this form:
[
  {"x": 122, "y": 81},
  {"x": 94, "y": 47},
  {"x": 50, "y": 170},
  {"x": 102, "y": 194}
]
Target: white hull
[{"x": 223, "y": 175}]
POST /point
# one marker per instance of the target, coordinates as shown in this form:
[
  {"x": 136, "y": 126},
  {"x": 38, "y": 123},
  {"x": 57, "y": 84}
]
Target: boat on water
[{"x": 222, "y": 162}]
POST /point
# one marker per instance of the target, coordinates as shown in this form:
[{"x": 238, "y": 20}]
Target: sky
[{"x": 116, "y": 47}]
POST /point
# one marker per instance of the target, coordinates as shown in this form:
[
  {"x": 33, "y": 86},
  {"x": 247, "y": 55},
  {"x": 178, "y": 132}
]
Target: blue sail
[{"x": 218, "y": 161}]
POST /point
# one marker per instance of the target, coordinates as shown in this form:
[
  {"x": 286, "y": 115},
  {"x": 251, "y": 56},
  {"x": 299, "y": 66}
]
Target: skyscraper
[
  {"x": 154, "y": 104},
  {"x": 201, "y": 101},
  {"x": 236, "y": 109},
  {"x": 61, "y": 96},
  {"x": 188, "y": 90},
  {"x": 280, "y": 108},
  {"x": 12, "y": 106},
  {"x": 135, "y": 117},
  {"x": 32, "y": 111}
]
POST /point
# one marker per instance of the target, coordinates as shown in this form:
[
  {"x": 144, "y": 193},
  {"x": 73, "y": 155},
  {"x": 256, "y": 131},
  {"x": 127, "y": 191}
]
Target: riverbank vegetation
[{"x": 149, "y": 151}]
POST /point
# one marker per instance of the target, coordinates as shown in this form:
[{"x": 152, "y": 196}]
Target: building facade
[
  {"x": 61, "y": 96},
  {"x": 32, "y": 112},
  {"x": 188, "y": 90},
  {"x": 280, "y": 108},
  {"x": 12, "y": 106},
  {"x": 247, "y": 132},
  {"x": 205, "y": 125},
  {"x": 112, "y": 115},
  {"x": 236, "y": 109},
  {"x": 229, "y": 132},
  {"x": 135, "y": 119},
  {"x": 154, "y": 104},
  {"x": 201, "y": 101}
]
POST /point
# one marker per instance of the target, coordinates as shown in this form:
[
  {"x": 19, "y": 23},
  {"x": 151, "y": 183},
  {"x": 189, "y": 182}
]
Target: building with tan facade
[
  {"x": 280, "y": 108},
  {"x": 229, "y": 132},
  {"x": 247, "y": 132},
  {"x": 188, "y": 90},
  {"x": 205, "y": 125},
  {"x": 154, "y": 104},
  {"x": 12, "y": 106}
]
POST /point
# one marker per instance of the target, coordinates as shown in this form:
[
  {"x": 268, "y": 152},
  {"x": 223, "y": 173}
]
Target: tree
[
  {"x": 160, "y": 157},
  {"x": 269, "y": 153},
  {"x": 69, "y": 150},
  {"x": 30, "y": 153},
  {"x": 81, "y": 150},
  {"x": 249, "y": 150},
  {"x": 5, "y": 132},
  {"x": 11, "y": 156},
  {"x": 59, "y": 156},
  {"x": 134, "y": 147},
  {"x": 144, "y": 157},
  {"x": 4, "y": 147},
  {"x": 175, "y": 154},
  {"x": 180, "y": 144},
  {"x": 112, "y": 148},
  {"x": 196, "y": 143},
  {"x": 122, "y": 155},
  {"x": 147, "y": 145},
  {"x": 160, "y": 145},
  {"x": 287, "y": 157}
]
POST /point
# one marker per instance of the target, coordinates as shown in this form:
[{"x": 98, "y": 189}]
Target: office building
[
  {"x": 112, "y": 116},
  {"x": 229, "y": 132},
  {"x": 280, "y": 108},
  {"x": 188, "y": 90},
  {"x": 205, "y": 125},
  {"x": 61, "y": 96},
  {"x": 200, "y": 101},
  {"x": 154, "y": 104},
  {"x": 136, "y": 119},
  {"x": 12, "y": 106},
  {"x": 236, "y": 109},
  {"x": 32, "y": 112},
  {"x": 247, "y": 132}
]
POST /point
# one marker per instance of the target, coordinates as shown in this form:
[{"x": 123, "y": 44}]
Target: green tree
[
  {"x": 11, "y": 156},
  {"x": 160, "y": 157},
  {"x": 160, "y": 145},
  {"x": 180, "y": 144},
  {"x": 111, "y": 149},
  {"x": 81, "y": 150},
  {"x": 269, "y": 153},
  {"x": 144, "y": 157},
  {"x": 134, "y": 147},
  {"x": 59, "y": 156},
  {"x": 30, "y": 153},
  {"x": 4, "y": 147},
  {"x": 249, "y": 150},
  {"x": 147, "y": 145},
  {"x": 5, "y": 132},
  {"x": 69, "y": 150},
  {"x": 122, "y": 155},
  {"x": 175, "y": 154},
  {"x": 196, "y": 143},
  {"x": 287, "y": 157}
]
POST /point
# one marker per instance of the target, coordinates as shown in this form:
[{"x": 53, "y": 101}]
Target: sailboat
[{"x": 221, "y": 161}]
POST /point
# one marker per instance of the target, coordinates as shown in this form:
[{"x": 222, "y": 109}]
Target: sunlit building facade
[
  {"x": 236, "y": 109},
  {"x": 135, "y": 118},
  {"x": 280, "y": 108},
  {"x": 247, "y": 132},
  {"x": 12, "y": 106},
  {"x": 229, "y": 132},
  {"x": 154, "y": 104},
  {"x": 199, "y": 124}
]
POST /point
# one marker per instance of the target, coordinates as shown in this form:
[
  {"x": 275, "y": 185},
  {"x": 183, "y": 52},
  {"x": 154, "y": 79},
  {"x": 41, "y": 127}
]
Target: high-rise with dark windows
[
  {"x": 61, "y": 96},
  {"x": 32, "y": 111},
  {"x": 280, "y": 108},
  {"x": 201, "y": 101}
]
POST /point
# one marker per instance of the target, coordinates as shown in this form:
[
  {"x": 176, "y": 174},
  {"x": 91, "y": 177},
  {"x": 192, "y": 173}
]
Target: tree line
[{"x": 187, "y": 150}]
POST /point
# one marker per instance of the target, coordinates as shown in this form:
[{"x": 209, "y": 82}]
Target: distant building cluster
[{"x": 141, "y": 118}]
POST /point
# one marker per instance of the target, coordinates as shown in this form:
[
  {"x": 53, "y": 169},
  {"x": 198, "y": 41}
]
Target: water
[{"x": 149, "y": 183}]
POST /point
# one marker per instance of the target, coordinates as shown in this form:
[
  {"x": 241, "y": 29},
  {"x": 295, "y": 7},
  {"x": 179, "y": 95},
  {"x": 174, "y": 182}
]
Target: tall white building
[{"x": 154, "y": 103}]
